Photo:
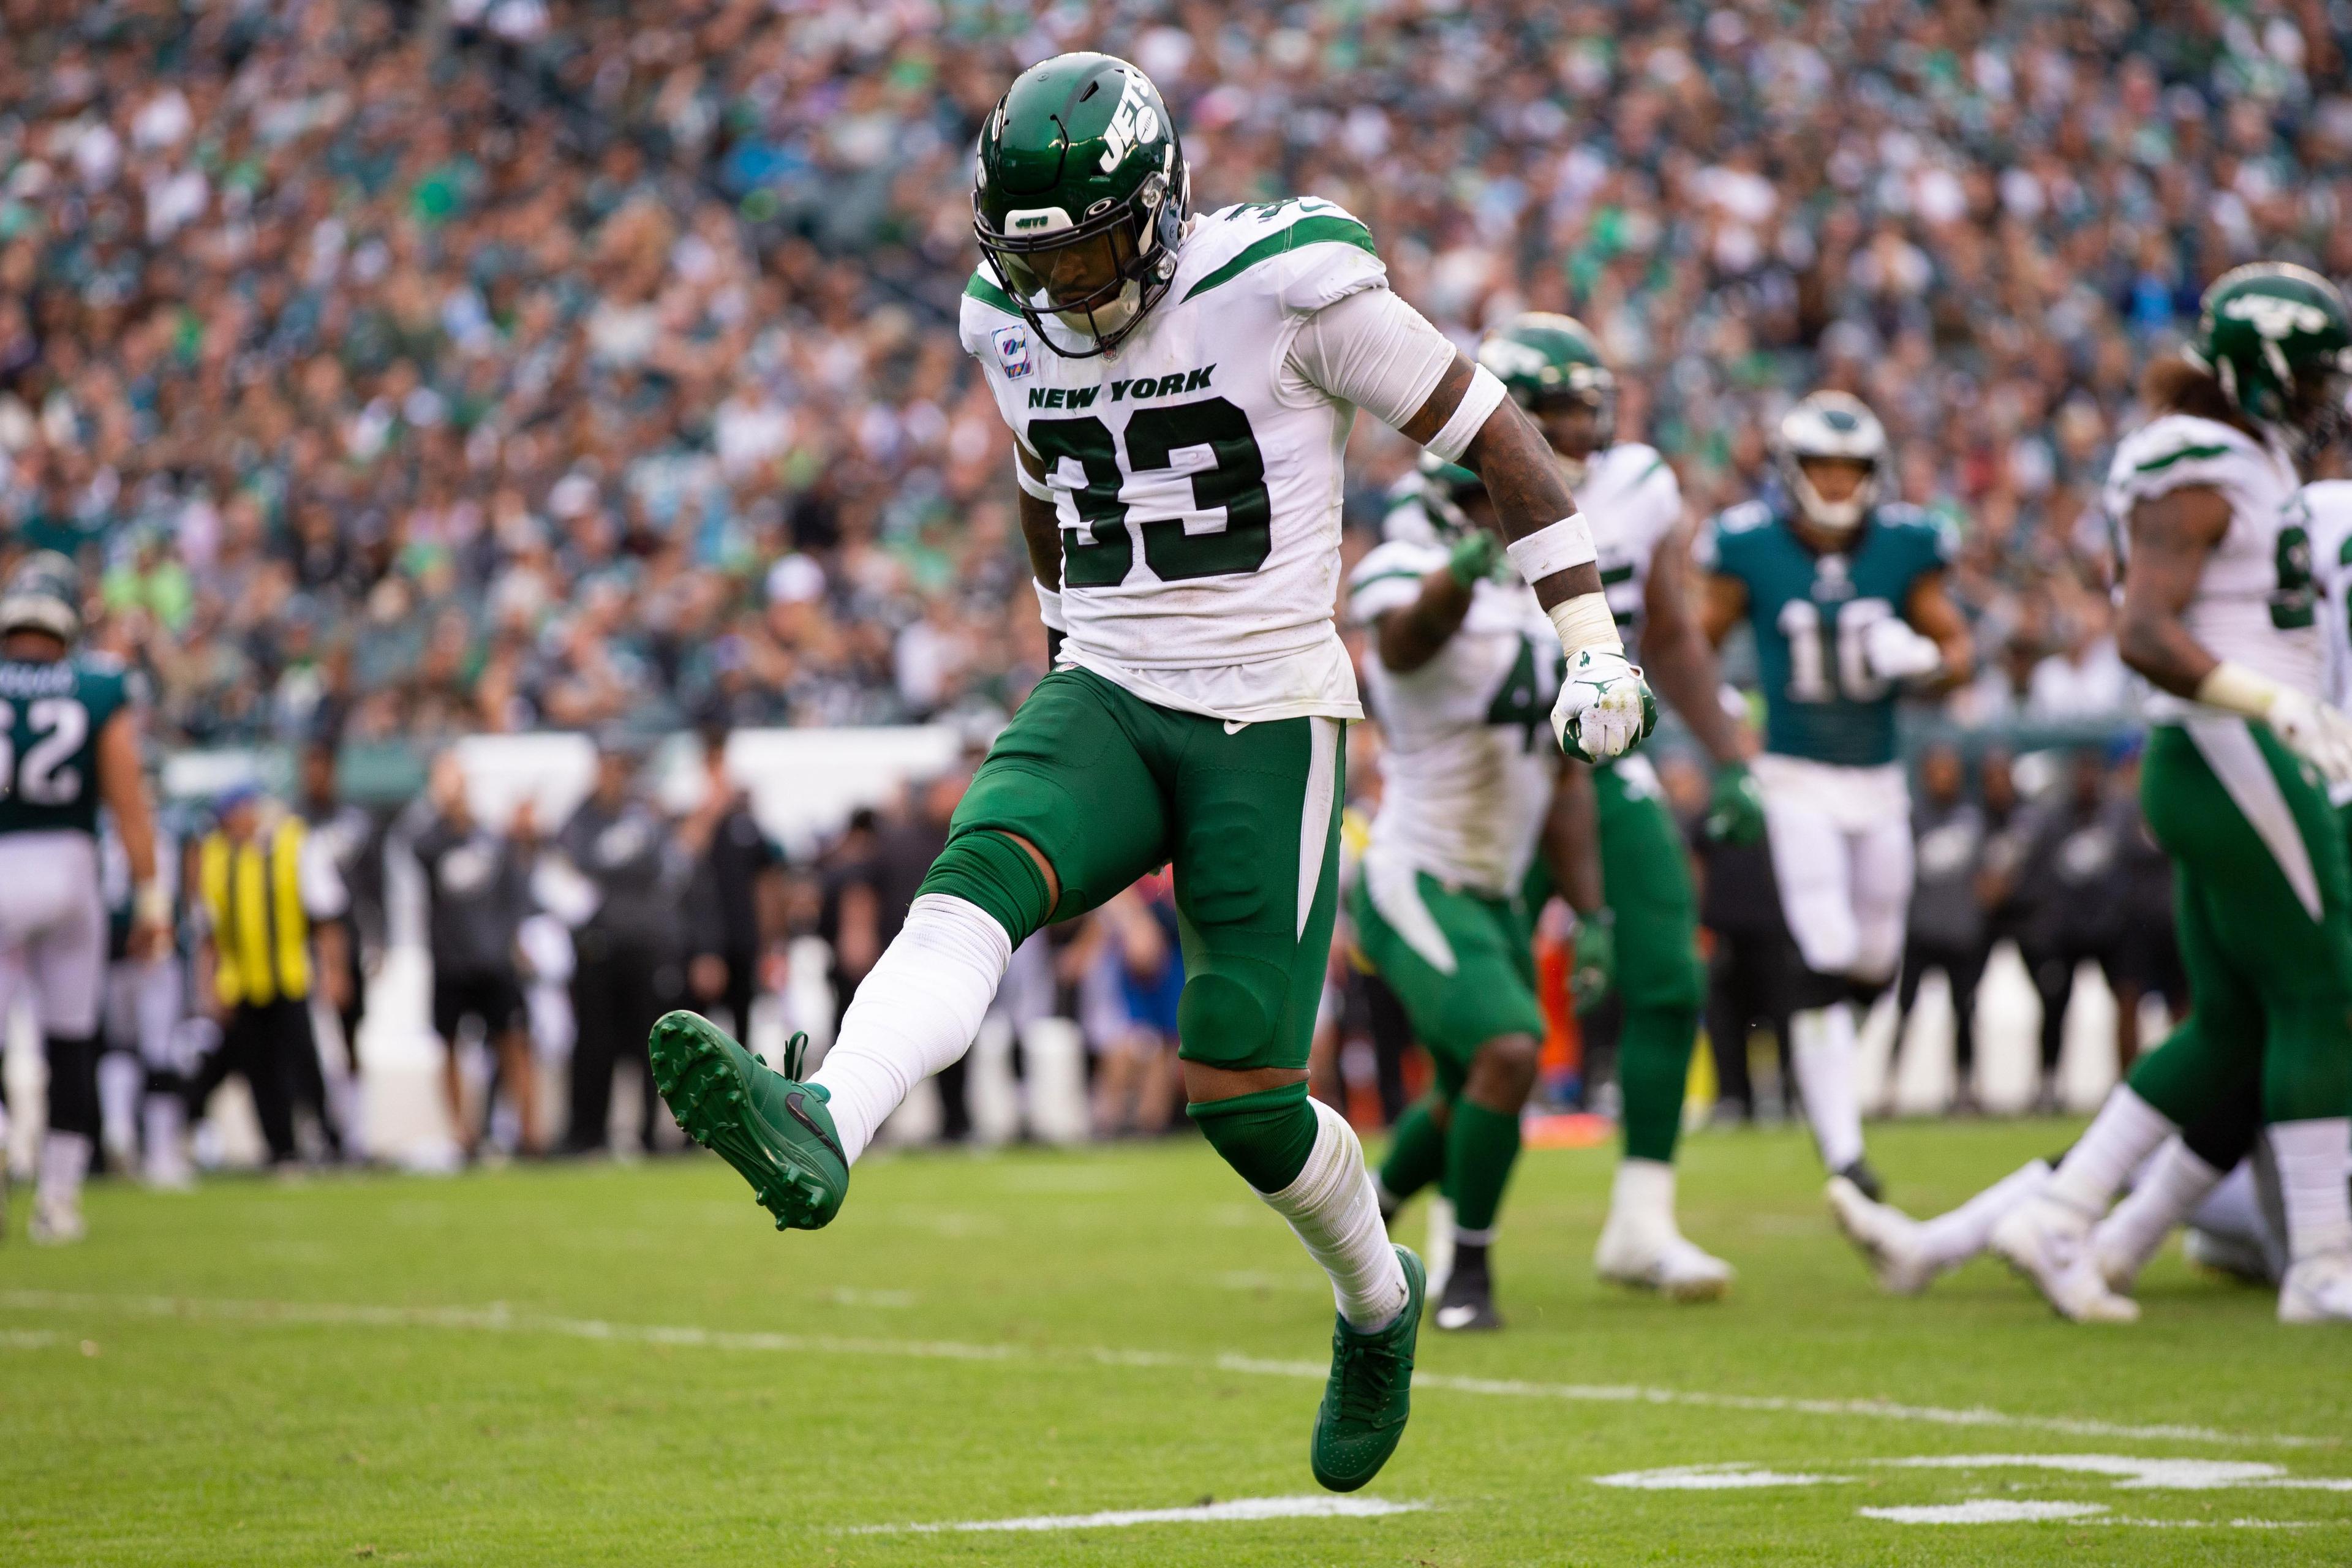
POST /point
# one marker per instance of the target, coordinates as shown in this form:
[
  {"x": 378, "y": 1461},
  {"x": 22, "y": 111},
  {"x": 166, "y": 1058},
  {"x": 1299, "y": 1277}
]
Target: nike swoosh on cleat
[
  {"x": 1455, "y": 1317},
  {"x": 793, "y": 1104}
]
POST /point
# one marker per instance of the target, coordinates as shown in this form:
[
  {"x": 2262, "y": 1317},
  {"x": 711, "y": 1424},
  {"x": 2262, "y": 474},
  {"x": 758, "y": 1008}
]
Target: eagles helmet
[
  {"x": 1080, "y": 198},
  {"x": 2279, "y": 340},
  {"x": 1831, "y": 425},
  {"x": 43, "y": 594},
  {"x": 1548, "y": 362}
]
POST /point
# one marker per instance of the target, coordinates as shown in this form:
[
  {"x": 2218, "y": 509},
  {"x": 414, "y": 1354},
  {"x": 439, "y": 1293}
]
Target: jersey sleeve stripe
[
  {"x": 1398, "y": 575},
  {"x": 2197, "y": 453},
  {"x": 990, "y": 295},
  {"x": 1305, "y": 232}
]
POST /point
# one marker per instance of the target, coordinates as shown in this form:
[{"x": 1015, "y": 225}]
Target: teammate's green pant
[
  {"x": 1464, "y": 965},
  {"x": 1646, "y": 880},
  {"x": 1109, "y": 787},
  {"x": 2270, "y": 987}
]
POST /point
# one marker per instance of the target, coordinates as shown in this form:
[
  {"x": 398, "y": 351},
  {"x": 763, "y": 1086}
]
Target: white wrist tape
[
  {"x": 151, "y": 904},
  {"x": 2239, "y": 690},
  {"x": 1555, "y": 547},
  {"x": 1481, "y": 398},
  {"x": 1584, "y": 622},
  {"x": 1031, "y": 485},
  {"x": 1049, "y": 606}
]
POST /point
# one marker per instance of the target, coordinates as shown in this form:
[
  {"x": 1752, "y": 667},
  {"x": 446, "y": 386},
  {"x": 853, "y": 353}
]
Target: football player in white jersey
[
  {"x": 1181, "y": 389},
  {"x": 1554, "y": 370},
  {"x": 2221, "y": 613}
]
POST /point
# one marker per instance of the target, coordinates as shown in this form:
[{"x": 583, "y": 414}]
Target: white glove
[
  {"x": 1895, "y": 652},
  {"x": 1605, "y": 708},
  {"x": 2313, "y": 731}
]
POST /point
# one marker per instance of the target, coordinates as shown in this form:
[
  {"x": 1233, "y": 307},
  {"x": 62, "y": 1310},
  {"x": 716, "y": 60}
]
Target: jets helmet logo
[
  {"x": 2275, "y": 318},
  {"x": 1132, "y": 123}
]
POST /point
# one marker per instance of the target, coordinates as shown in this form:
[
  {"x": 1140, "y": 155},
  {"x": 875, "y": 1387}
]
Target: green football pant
[
  {"x": 1463, "y": 963},
  {"x": 1109, "y": 787},
  {"x": 2264, "y": 902},
  {"x": 1645, "y": 878}
]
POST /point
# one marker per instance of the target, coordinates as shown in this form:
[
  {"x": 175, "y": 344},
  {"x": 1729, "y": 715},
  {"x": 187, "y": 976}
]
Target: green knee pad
[
  {"x": 1266, "y": 1136},
  {"x": 985, "y": 868}
]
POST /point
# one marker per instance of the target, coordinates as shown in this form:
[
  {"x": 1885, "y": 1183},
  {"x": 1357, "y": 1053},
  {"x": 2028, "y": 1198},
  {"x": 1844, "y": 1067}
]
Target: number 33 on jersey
[{"x": 1197, "y": 477}]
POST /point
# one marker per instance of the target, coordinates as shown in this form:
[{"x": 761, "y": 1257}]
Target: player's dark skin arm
[
  {"x": 1933, "y": 616},
  {"x": 2170, "y": 538},
  {"x": 1521, "y": 474},
  {"x": 1411, "y": 637},
  {"x": 1722, "y": 605},
  {"x": 1041, "y": 528},
  {"x": 1570, "y": 844},
  {"x": 1678, "y": 656}
]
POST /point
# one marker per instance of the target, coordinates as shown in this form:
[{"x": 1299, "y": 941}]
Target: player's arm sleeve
[
  {"x": 324, "y": 897},
  {"x": 1372, "y": 350}
]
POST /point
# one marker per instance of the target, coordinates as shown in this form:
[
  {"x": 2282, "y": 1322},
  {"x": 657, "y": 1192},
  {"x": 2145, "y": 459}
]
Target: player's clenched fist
[{"x": 1605, "y": 708}]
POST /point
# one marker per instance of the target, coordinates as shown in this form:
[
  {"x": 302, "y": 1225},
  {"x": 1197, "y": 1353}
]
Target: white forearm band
[
  {"x": 1484, "y": 395},
  {"x": 1031, "y": 485},
  {"x": 1584, "y": 622},
  {"x": 1555, "y": 547},
  {"x": 2239, "y": 690},
  {"x": 1049, "y": 606}
]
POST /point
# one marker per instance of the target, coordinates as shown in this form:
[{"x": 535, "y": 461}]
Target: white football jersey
[
  {"x": 1631, "y": 501},
  {"x": 2329, "y": 505},
  {"x": 1197, "y": 475},
  {"x": 1468, "y": 761},
  {"x": 2254, "y": 602}
]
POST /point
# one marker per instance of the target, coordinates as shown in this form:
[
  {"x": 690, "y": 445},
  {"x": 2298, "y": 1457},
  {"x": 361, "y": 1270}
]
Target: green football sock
[
  {"x": 1653, "y": 1056},
  {"x": 1416, "y": 1154},
  {"x": 1266, "y": 1136},
  {"x": 1480, "y": 1147}
]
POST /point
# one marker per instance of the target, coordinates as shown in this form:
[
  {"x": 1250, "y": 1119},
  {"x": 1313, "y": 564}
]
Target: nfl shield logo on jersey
[{"x": 1012, "y": 350}]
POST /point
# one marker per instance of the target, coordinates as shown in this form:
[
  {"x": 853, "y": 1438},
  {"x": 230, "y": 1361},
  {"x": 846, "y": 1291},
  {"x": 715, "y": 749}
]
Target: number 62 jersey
[
  {"x": 50, "y": 716},
  {"x": 1196, "y": 468}
]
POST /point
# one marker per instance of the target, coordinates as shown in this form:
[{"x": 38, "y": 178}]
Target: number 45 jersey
[
  {"x": 1196, "y": 471},
  {"x": 51, "y": 714},
  {"x": 1810, "y": 614}
]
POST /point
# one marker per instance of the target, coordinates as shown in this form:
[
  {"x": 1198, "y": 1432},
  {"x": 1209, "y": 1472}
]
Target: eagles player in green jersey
[
  {"x": 1553, "y": 367},
  {"x": 72, "y": 745},
  {"x": 1179, "y": 387},
  {"x": 1844, "y": 591}
]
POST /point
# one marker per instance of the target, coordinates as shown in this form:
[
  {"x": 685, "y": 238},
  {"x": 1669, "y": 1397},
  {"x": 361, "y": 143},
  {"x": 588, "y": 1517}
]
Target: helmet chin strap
[{"x": 1832, "y": 517}]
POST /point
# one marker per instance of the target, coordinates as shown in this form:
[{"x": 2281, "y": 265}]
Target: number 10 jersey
[{"x": 1196, "y": 471}]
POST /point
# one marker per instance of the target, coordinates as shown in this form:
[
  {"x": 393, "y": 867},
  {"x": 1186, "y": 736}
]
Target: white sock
[
  {"x": 1333, "y": 1207},
  {"x": 2166, "y": 1194},
  {"x": 64, "y": 1160},
  {"x": 1642, "y": 1195},
  {"x": 915, "y": 1011},
  {"x": 1821, "y": 1051},
  {"x": 1953, "y": 1238},
  {"x": 119, "y": 1080},
  {"x": 2312, "y": 1157},
  {"x": 2126, "y": 1131},
  {"x": 162, "y": 1125}
]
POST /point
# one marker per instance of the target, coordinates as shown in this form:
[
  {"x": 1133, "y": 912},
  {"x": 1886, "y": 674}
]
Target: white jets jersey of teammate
[
  {"x": 2254, "y": 599},
  {"x": 1468, "y": 761},
  {"x": 1196, "y": 471},
  {"x": 2328, "y": 506},
  {"x": 1631, "y": 501}
]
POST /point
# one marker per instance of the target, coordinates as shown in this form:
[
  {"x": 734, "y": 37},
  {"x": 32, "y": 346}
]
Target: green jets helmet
[
  {"x": 1080, "y": 199},
  {"x": 1443, "y": 487},
  {"x": 2279, "y": 340},
  {"x": 43, "y": 594},
  {"x": 1548, "y": 362}
]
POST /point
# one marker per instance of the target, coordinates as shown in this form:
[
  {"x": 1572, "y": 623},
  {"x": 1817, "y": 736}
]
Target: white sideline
[
  {"x": 1238, "y": 1511},
  {"x": 499, "y": 1318}
]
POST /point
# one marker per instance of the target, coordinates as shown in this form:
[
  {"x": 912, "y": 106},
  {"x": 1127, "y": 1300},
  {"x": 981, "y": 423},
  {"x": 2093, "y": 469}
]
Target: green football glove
[
  {"x": 1477, "y": 555},
  {"x": 1735, "y": 812},
  {"x": 1595, "y": 966}
]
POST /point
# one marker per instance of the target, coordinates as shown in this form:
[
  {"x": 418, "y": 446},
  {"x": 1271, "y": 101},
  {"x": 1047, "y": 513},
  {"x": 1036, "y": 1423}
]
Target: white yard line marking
[
  {"x": 27, "y": 1340},
  {"x": 497, "y": 1318},
  {"x": 1712, "y": 1478},
  {"x": 1985, "y": 1510},
  {"x": 1238, "y": 1511}
]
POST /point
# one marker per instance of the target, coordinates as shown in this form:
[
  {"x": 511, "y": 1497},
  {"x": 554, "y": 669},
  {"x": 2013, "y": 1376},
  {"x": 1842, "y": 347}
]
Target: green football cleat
[
  {"x": 1370, "y": 1395},
  {"x": 774, "y": 1129}
]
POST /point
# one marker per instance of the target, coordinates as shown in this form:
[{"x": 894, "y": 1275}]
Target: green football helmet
[
  {"x": 2279, "y": 340},
  {"x": 1443, "y": 487},
  {"x": 43, "y": 594},
  {"x": 1080, "y": 199},
  {"x": 1548, "y": 362}
]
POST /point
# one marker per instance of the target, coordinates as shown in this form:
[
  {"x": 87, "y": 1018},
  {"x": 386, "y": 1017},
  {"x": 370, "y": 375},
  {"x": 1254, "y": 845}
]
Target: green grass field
[{"x": 624, "y": 1366}]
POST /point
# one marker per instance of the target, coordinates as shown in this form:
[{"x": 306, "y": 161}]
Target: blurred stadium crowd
[
  {"x": 415, "y": 369},
  {"x": 406, "y": 370}
]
